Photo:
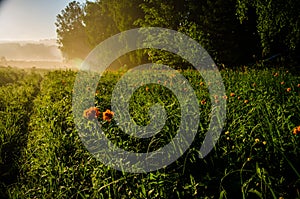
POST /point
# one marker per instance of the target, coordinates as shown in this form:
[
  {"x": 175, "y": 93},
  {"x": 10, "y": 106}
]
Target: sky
[{"x": 23, "y": 20}]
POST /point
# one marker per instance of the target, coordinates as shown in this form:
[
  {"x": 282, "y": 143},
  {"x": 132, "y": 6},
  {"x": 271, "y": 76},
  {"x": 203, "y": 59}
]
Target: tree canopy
[{"x": 234, "y": 32}]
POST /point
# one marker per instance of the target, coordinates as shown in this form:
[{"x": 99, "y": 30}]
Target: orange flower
[
  {"x": 246, "y": 101},
  {"x": 91, "y": 113},
  {"x": 281, "y": 83},
  {"x": 288, "y": 89},
  {"x": 296, "y": 130},
  {"x": 108, "y": 115},
  {"x": 147, "y": 88},
  {"x": 203, "y": 102},
  {"x": 232, "y": 94}
]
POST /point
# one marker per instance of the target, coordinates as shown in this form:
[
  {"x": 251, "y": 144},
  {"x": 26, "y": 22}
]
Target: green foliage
[
  {"x": 277, "y": 24},
  {"x": 211, "y": 23}
]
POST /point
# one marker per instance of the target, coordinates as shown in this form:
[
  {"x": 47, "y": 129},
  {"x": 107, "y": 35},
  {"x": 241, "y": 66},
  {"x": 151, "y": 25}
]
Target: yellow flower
[
  {"x": 227, "y": 132},
  {"x": 246, "y": 101},
  {"x": 256, "y": 140},
  {"x": 203, "y": 102},
  {"x": 264, "y": 142},
  {"x": 281, "y": 83},
  {"x": 232, "y": 94}
]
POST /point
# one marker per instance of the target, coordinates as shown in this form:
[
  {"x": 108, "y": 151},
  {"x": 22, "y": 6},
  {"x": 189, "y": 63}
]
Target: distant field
[
  {"x": 38, "y": 64},
  {"x": 257, "y": 155}
]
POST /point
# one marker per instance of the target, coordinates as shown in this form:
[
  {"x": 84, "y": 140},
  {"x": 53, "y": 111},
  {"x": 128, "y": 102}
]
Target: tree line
[{"x": 234, "y": 32}]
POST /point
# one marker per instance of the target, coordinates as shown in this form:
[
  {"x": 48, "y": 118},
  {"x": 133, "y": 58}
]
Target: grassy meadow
[{"x": 257, "y": 155}]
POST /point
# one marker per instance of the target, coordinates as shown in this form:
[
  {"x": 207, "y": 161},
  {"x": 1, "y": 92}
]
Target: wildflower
[
  {"x": 216, "y": 97},
  {"x": 203, "y": 102},
  {"x": 216, "y": 101},
  {"x": 232, "y": 94},
  {"x": 298, "y": 85},
  {"x": 225, "y": 97},
  {"x": 108, "y": 115},
  {"x": 201, "y": 83},
  {"x": 227, "y": 132},
  {"x": 239, "y": 97},
  {"x": 228, "y": 138},
  {"x": 147, "y": 88},
  {"x": 248, "y": 159},
  {"x": 254, "y": 84},
  {"x": 296, "y": 130},
  {"x": 246, "y": 101},
  {"x": 281, "y": 83},
  {"x": 264, "y": 142},
  {"x": 256, "y": 140},
  {"x": 288, "y": 89},
  {"x": 276, "y": 75},
  {"x": 91, "y": 113}
]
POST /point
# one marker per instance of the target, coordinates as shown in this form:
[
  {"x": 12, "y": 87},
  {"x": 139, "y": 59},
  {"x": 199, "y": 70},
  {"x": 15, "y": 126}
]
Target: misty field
[{"x": 257, "y": 155}]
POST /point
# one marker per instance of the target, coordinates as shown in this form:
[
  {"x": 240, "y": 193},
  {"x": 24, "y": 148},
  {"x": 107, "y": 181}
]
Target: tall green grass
[
  {"x": 15, "y": 109},
  {"x": 257, "y": 156}
]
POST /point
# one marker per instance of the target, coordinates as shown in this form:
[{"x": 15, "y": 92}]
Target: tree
[
  {"x": 212, "y": 23},
  {"x": 71, "y": 33},
  {"x": 278, "y": 25}
]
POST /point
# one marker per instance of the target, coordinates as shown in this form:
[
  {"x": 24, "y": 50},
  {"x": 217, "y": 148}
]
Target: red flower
[
  {"x": 108, "y": 115},
  {"x": 91, "y": 113},
  {"x": 296, "y": 130}
]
